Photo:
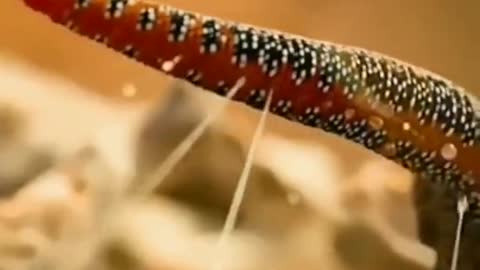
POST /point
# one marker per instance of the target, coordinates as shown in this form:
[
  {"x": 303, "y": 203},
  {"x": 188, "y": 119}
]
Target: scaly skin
[{"x": 411, "y": 116}]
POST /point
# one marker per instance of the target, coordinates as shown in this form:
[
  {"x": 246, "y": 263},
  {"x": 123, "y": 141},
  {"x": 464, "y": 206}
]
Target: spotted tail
[{"x": 418, "y": 119}]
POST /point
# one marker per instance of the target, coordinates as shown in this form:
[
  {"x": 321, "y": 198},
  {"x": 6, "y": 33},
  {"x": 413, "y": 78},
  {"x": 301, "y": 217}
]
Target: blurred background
[{"x": 79, "y": 125}]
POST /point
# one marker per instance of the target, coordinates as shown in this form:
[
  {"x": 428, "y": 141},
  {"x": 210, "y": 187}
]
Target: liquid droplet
[
  {"x": 375, "y": 122},
  {"x": 129, "y": 91},
  {"x": 449, "y": 151},
  {"x": 168, "y": 66}
]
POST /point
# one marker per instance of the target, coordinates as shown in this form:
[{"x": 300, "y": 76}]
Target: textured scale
[{"x": 413, "y": 117}]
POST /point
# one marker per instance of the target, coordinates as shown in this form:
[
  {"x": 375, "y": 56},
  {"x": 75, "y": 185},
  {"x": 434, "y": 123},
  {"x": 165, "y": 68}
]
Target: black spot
[
  {"x": 114, "y": 6},
  {"x": 244, "y": 48},
  {"x": 147, "y": 18},
  {"x": 257, "y": 98},
  {"x": 130, "y": 52},
  {"x": 211, "y": 35},
  {"x": 301, "y": 56},
  {"x": 272, "y": 53},
  {"x": 179, "y": 25}
]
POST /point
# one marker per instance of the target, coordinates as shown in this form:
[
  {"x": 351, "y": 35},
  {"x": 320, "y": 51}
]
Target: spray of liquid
[
  {"x": 240, "y": 189},
  {"x": 462, "y": 208},
  {"x": 181, "y": 150}
]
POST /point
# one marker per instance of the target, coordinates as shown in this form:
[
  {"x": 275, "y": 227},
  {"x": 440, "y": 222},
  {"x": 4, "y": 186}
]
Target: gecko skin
[{"x": 416, "y": 118}]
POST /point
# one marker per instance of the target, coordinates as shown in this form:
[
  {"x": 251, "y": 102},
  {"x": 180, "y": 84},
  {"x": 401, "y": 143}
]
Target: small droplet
[
  {"x": 449, "y": 151},
  {"x": 375, "y": 122},
  {"x": 349, "y": 114},
  {"x": 168, "y": 66},
  {"x": 129, "y": 90},
  {"x": 406, "y": 126}
]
